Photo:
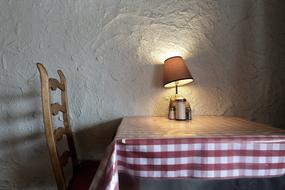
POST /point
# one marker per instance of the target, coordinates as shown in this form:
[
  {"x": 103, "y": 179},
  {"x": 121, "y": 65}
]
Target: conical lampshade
[{"x": 176, "y": 72}]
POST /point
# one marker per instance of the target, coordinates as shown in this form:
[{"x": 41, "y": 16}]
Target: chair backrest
[{"x": 54, "y": 135}]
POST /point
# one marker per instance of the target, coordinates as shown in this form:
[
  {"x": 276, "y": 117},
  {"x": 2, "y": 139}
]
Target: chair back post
[
  {"x": 54, "y": 135},
  {"x": 66, "y": 123}
]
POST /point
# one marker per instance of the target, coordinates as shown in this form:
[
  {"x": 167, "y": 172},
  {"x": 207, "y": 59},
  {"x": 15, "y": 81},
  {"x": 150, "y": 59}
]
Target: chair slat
[
  {"x": 54, "y": 135},
  {"x": 64, "y": 158},
  {"x": 54, "y": 84},
  {"x": 58, "y": 133},
  {"x": 56, "y": 107}
]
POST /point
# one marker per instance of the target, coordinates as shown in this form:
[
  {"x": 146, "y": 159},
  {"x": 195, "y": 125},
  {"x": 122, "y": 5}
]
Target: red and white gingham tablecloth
[{"x": 258, "y": 151}]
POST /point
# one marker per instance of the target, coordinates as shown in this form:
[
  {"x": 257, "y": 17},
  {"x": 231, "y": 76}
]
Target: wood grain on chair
[{"x": 82, "y": 173}]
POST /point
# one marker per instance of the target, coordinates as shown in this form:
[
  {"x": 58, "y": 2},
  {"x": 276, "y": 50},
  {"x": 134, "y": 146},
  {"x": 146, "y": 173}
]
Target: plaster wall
[{"x": 111, "y": 53}]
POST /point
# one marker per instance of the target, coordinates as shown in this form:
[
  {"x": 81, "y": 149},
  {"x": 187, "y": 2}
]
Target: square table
[{"x": 208, "y": 147}]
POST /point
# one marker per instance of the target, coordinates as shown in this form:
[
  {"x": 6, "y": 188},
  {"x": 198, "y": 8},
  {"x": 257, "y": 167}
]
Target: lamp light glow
[
  {"x": 178, "y": 83},
  {"x": 171, "y": 53}
]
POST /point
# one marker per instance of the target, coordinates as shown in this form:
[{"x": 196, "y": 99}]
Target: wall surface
[{"x": 111, "y": 52}]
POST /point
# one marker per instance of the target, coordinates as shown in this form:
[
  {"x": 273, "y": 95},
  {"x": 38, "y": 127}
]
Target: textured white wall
[{"x": 111, "y": 53}]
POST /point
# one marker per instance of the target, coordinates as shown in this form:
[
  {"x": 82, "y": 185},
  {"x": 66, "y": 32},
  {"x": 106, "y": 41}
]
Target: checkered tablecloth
[{"x": 216, "y": 157}]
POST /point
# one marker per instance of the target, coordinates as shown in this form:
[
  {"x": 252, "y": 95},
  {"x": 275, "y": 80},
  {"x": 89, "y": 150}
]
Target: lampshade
[{"x": 176, "y": 72}]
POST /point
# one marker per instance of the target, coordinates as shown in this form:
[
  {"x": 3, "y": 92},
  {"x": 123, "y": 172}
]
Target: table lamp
[{"x": 176, "y": 73}]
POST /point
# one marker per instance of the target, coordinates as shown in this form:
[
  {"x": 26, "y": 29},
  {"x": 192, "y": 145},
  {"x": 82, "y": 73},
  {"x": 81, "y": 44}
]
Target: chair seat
[{"x": 83, "y": 179}]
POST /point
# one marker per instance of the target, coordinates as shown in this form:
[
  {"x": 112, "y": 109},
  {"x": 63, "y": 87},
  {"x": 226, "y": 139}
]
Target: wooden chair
[{"x": 84, "y": 172}]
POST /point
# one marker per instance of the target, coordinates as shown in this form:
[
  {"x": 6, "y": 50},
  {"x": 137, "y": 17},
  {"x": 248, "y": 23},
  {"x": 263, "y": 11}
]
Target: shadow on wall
[
  {"x": 25, "y": 161},
  {"x": 251, "y": 73},
  {"x": 91, "y": 141},
  {"x": 22, "y": 145},
  {"x": 160, "y": 107},
  {"x": 242, "y": 73},
  {"x": 260, "y": 73},
  {"x": 11, "y": 103},
  {"x": 275, "y": 49}
]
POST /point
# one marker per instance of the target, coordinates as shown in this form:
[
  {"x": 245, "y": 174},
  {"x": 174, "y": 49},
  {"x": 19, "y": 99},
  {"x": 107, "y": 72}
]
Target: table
[{"x": 208, "y": 147}]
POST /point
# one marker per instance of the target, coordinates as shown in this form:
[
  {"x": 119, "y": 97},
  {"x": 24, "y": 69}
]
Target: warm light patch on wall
[
  {"x": 165, "y": 52},
  {"x": 160, "y": 42}
]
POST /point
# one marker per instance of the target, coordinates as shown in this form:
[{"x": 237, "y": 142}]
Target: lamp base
[
  {"x": 173, "y": 99},
  {"x": 172, "y": 107}
]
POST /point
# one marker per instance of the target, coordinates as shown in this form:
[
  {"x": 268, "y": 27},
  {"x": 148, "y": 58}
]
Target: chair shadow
[
  {"x": 12, "y": 113},
  {"x": 22, "y": 144},
  {"x": 92, "y": 141}
]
